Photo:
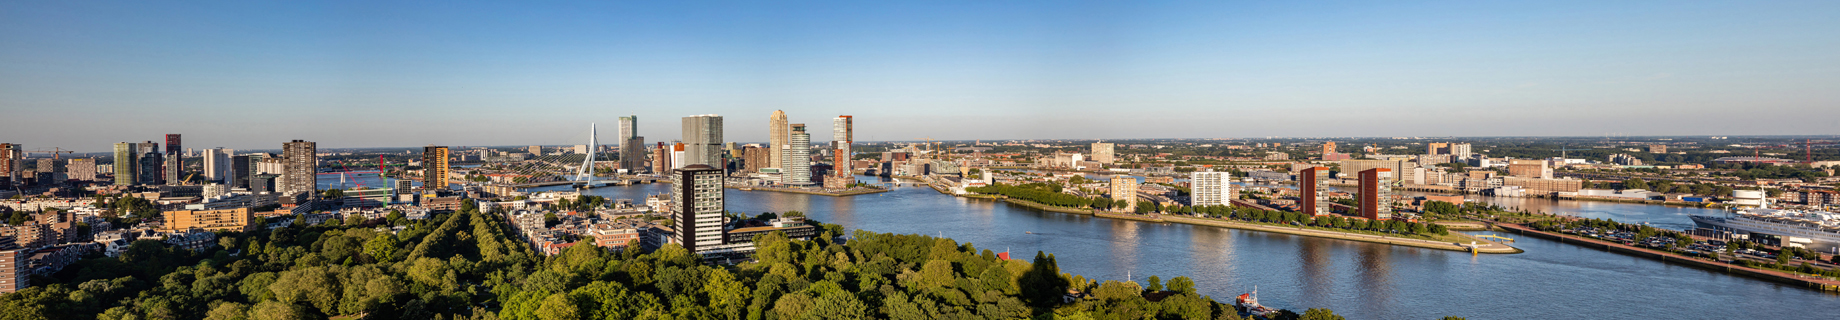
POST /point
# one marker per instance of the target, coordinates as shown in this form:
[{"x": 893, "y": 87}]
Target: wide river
[{"x": 1358, "y": 280}]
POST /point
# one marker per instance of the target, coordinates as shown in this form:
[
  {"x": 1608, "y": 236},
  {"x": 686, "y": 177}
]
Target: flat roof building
[
  {"x": 1310, "y": 190},
  {"x": 1376, "y": 191},
  {"x": 237, "y": 220},
  {"x": 697, "y": 206}
]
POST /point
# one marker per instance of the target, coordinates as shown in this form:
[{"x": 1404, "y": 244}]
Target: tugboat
[{"x": 1248, "y": 303}]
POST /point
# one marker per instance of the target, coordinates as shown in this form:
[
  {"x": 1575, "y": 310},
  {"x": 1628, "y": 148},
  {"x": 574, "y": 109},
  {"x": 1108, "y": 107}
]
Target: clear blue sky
[{"x": 253, "y": 74}]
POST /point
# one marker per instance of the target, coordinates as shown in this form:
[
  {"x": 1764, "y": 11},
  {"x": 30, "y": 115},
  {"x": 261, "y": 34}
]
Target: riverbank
[
  {"x": 1483, "y": 246},
  {"x": 1813, "y": 283},
  {"x": 852, "y": 192}
]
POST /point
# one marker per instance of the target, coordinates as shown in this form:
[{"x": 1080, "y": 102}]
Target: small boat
[
  {"x": 1249, "y": 303},
  {"x": 1028, "y": 232}
]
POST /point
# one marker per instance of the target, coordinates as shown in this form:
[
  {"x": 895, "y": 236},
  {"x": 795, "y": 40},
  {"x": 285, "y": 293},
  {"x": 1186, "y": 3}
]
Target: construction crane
[{"x": 56, "y": 153}]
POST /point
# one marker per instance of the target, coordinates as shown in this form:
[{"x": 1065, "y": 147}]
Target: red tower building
[
  {"x": 1374, "y": 188},
  {"x": 1309, "y": 187}
]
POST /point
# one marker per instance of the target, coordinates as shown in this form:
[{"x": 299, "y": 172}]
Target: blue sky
[{"x": 253, "y": 74}]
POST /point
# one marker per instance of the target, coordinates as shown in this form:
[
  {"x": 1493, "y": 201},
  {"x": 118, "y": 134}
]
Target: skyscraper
[
  {"x": 126, "y": 161},
  {"x": 697, "y": 206},
  {"x": 536, "y": 151},
  {"x": 151, "y": 158},
  {"x": 629, "y": 128},
  {"x": 1376, "y": 190},
  {"x": 1310, "y": 189},
  {"x": 632, "y": 154},
  {"x": 171, "y": 167},
  {"x": 843, "y": 134},
  {"x": 661, "y": 159},
  {"x": 302, "y": 169},
  {"x": 240, "y": 169},
  {"x": 434, "y": 167},
  {"x": 778, "y": 136},
  {"x": 1328, "y": 148},
  {"x": 797, "y": 165},
  {"x": 1102, "y": 152},
  {"x": 703, "y": 140},
  {"x": 215, "y": 164},
  {"x": 1209, "y": 188}
]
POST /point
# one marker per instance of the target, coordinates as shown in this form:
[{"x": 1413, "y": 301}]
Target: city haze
[{"x": 359, "y": 74}]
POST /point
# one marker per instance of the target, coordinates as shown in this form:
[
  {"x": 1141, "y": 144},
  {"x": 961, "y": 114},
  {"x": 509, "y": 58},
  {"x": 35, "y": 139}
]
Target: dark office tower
[
  {"x": 1375, "y": 190},
  {"x": 434, "y": 168},
  {"x": 300, "y": 172},
  {"x": 126, "y": 161},
  {"x": 240, "y": 167},
  {"x": 697, "y": 206},
  {"x": 632, "y": 154},
  {"x": 172, "y": 144},
  {"x": 171, "y": 166},
  {"x": 702, "y": 140},
  {"x": 150, "y": 160},
  {"x": 1309, "y": 187}
]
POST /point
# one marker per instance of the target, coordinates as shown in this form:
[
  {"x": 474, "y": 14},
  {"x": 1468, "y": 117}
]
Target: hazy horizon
[{"x": 243, "y": 75}]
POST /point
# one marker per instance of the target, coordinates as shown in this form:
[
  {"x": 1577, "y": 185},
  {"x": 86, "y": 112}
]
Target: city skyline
[{"x": 249, "y": 76}]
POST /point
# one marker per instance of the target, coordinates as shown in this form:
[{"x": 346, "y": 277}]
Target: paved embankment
[
  {"x": 1483, "y": 246},
  {"x": 810, "y": 192},
  {"x": 1815, "y": 283}
]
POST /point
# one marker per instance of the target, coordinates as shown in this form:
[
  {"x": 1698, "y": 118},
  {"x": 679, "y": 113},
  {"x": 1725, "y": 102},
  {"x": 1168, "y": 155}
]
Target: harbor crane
[{"x": 56, "y": 153}]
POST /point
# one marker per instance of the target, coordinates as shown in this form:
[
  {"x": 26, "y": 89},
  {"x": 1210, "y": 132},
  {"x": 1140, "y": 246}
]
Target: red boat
[{"x": 1248, "y": 303}]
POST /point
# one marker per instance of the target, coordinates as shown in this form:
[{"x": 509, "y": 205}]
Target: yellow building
[
  {"x": 1125, "y": 188},
  {"x": 239, "y": 219}
]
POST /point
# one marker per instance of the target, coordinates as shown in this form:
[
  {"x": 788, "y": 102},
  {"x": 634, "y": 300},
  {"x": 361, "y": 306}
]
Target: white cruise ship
[{"x": 1805, "y": 227}]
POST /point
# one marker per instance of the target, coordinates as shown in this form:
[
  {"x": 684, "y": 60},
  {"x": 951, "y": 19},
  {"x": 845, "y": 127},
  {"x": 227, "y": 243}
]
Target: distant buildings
[
  {"x": 1310, "y": 190},
  {"x": 755, "y": 159},
  {"x": 632, "y": 154},
  {"x": 1625, "y": 160},
  {"x": 1124, "y": 188},
  {"x": 1103, "y": 153},
  {"x": 435, "y": 169},
  {"x": 1529, "y": 169},
  {"x": 537, "y": 151},
  {"x": 1376, "y": 189},
  {"x": 629, "y": 128},
  {"x": 1209, "y": 188},
  {"x": 797, "y": 165},
  {"x": 1657, "y": 148},
  {"x": 702, "y": 140},
  {"x": 697, "y": 206},
  {"x": 302, "y": 171}
]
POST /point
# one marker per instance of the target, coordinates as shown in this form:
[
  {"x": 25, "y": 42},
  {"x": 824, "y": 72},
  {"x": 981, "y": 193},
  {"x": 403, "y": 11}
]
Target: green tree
[{"x": 1635, "y": 183}]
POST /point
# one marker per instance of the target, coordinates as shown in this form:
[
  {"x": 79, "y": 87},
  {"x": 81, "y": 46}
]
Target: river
[{"x": 1358, "y": 280}]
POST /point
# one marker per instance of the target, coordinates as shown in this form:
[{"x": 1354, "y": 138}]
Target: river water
[{"x": 1358, "y": 280}]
